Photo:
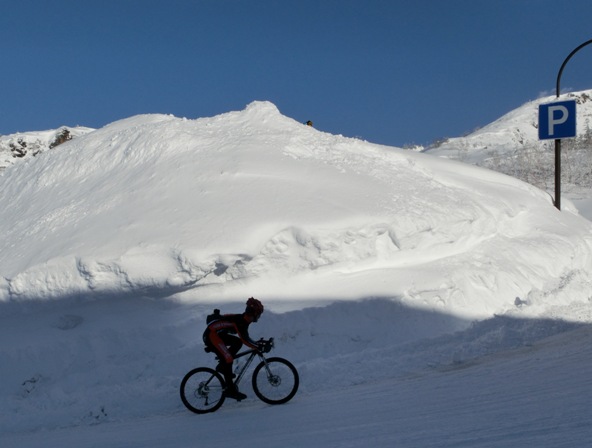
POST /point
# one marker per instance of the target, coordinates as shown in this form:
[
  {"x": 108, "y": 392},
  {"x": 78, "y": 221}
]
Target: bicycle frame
[{"x": 252, "y": 353}]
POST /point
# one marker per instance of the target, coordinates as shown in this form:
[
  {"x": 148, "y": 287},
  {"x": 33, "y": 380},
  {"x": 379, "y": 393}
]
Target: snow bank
[{"x": 252, "y": 202}]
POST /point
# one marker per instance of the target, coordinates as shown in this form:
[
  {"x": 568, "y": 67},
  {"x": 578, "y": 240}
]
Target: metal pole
[
  {"x": 557, "y": 89},
  {"x": 558, "y": 141},
  {"x": 558, "y": 174}
]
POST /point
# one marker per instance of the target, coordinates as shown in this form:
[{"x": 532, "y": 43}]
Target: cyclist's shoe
[{"x": 233, "y": 392}]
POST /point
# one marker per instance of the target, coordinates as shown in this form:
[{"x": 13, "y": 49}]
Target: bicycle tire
[
  {"x": 275, "y": 381},
  {"x": 202, "y": 390}
]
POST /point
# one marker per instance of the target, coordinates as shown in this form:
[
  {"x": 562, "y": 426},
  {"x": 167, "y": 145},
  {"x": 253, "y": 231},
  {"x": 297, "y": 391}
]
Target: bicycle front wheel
[
  {"x": 275, "y": 381},
  {"x": 202, "y": 390}
]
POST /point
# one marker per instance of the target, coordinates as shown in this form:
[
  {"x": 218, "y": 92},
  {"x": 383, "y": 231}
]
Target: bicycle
[{"x": 275, "y": 381}]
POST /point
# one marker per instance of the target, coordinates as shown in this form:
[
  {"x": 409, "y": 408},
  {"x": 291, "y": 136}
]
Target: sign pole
[
  {"x": 558, "y": 141},
  {"x": 558, "y": 173},
  {"x": 557, "y": 121}
]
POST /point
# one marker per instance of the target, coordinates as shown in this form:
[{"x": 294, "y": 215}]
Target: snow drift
[{"x": 253, "y": 202}]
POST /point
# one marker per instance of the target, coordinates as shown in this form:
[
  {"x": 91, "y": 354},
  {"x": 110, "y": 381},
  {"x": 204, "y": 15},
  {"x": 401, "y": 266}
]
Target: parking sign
[{"x": 557, "y": 120}]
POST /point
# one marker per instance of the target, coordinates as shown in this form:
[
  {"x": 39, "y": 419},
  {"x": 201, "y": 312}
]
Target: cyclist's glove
[{"x": 265, "y": 346}]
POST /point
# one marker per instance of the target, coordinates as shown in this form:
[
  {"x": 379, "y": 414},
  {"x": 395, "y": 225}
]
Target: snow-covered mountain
[
  {"x": 424, "y": 301},
  {"x": 512, "y": 133}
]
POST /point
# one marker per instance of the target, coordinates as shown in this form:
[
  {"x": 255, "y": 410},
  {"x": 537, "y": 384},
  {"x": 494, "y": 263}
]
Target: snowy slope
[
  {"x": 424, "y": 301},
  {"x": 253, "y": 200},
  {"x": 514, "y": 132}
]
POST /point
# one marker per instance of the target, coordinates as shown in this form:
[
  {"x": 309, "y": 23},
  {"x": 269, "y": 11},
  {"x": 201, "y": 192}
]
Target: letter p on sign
[{"x": 557, "y": 120}]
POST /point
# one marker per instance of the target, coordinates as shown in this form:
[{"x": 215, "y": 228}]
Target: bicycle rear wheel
[
  {"x": 202, "y": 390},
  {"x": 275, "y": 381}
]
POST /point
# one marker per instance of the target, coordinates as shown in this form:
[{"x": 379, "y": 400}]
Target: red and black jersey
[{"x": 230, "y": 324}]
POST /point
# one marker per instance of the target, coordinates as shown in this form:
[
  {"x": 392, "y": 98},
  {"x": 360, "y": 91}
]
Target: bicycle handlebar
[{"x": 267, "y": 344}]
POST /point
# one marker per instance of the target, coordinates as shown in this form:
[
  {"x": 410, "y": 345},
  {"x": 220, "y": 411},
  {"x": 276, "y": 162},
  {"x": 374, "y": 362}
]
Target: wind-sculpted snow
[{"x": 252, "y": 202}]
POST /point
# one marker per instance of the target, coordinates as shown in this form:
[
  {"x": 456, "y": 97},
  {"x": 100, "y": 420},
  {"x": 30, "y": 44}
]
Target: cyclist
[{"x": 219, "y": 338}]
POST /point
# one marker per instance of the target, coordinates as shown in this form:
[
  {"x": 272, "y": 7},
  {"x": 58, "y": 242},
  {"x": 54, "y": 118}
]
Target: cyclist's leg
[
  {"x": 225, "y": 368},
  {"x": 227, "y": 350},
  {"x": 233, "y": 343},
  {"x": 225, "y": 346},
  {"x": 225, "y": 358}
]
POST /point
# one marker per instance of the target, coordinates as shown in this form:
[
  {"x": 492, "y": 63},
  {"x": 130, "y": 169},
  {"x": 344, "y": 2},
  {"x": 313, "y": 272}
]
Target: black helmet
[{"x": 254, "y": 308}]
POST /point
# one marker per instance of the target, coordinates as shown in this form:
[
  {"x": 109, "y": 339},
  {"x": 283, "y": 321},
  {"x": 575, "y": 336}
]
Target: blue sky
[{"x": 389, "y": 71}]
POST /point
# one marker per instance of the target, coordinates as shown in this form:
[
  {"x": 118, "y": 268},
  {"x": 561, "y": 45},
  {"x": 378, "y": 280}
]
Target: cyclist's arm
[{"x": 243, "y": 333}]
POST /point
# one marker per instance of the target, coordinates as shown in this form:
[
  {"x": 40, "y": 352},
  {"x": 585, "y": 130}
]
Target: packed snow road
[{"x": 534, "y": 395}]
